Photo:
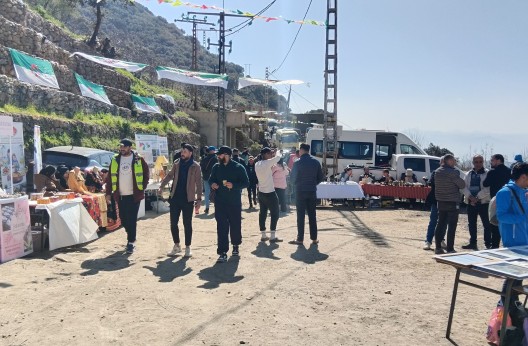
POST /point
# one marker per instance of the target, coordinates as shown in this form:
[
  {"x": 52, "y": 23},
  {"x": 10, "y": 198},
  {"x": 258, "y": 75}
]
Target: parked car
[{"x": 81, "y": 157}]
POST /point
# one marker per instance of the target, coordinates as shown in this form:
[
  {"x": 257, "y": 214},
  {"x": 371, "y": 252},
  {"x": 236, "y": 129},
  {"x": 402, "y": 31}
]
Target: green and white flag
[
  {"x": 192, "y": 77},
  {"x": 129, "y": 66},
  {"x": 245, "y": 82},
  {"x": 33, "y": 70},
  {"x": 92, "y": 90},
  {"x": 145, "y": 104}
]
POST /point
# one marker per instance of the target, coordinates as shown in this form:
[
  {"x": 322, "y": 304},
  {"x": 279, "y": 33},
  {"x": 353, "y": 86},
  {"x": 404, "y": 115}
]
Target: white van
[
  {"x": 363, "y": 147},
  {"x": 286, "y": 138}
]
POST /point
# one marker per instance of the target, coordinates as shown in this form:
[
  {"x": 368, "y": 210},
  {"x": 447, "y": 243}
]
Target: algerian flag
[
  {"x": 245, "y": 82},
  {"x": 129, "y": 66},
  {"x": 145, "y": 104},
  {"x": 33, "y": 70},
  {"x": 92, "y": 90},
  {"x": 192, "y": 77}
]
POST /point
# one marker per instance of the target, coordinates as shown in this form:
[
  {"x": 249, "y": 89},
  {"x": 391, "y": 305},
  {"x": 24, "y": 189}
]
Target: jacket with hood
[
  {"x": 513, "y": 223},
  {"x": 517, "y": 159}
]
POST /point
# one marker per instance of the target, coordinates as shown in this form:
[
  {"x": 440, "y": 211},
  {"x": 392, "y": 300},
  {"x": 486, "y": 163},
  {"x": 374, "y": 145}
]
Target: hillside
[{"x": 138, "y": 35}]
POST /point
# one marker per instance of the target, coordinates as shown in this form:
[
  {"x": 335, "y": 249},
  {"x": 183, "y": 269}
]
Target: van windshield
[{"x": 290, "y": 138}]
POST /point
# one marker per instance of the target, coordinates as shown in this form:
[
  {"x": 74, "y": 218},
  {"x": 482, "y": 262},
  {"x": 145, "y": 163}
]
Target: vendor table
[
  {"x": 417, "y": 192},
  {"x": 350, "y": 189},
  {"x": 69, "y": 224},
  {"x": 507, "y": 263}
]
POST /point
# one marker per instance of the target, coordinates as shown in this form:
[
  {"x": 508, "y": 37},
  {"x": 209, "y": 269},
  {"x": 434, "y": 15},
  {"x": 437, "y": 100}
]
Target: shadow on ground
[
  {"x": 310, "y": 255},
  {"x": 265, "y": 250},
  {"x": 116, "y": 261},
  {"x": 220, "y": 273},
  {"x": 168, "y": 270},
  {"x": 361, "y": 229}
]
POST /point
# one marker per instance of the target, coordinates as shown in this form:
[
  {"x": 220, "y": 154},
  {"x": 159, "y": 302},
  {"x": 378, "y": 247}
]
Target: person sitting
[
  {"x": 386, "y": 178},
  {"x": 409, "y": 176},
  {"x": 46, "y": 182},
  {"x": 94, "y": 181},
  {"x": 62, "y": 176},
  {"x": 76, "y": 181},
  {"x": 346, "y": 175},
  {"x": 366, "y": 175}
]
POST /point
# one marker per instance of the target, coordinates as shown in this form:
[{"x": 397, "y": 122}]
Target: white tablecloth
[
  {"x": 350, "y": 189},
  {"x": 70, "y": 223}
]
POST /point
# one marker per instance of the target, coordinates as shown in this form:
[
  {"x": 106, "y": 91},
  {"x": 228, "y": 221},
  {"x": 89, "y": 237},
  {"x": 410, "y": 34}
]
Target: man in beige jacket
[{"x": 186, "y": 190}]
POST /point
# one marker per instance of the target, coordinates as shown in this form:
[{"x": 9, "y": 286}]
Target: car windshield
[
  {"x": 290, "y": 138},
  {"x": 55, "y": 159}
]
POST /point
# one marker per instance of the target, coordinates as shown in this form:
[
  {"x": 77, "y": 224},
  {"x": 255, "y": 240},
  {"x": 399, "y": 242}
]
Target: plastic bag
[{"x": 494, "y": 325}]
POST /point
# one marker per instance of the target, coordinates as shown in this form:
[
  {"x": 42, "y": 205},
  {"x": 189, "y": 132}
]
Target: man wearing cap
[
  {"x": 228, "y": 179},
  {"x": 306, "y": 175},
  {"x": 207, "y": 166},
  {"x": 267, "y": 196},
  {"x": 186, "y": 190},
  {"x": 128, "y": 178}
]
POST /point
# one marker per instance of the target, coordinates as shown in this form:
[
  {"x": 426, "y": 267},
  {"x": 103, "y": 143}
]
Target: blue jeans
[
  {"x": 433, "y": 219},
  {"x": 207, "y": 188}
]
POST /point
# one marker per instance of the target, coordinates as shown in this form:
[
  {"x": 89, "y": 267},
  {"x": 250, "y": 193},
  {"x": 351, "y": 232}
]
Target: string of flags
[{"x": 267, "y": 19}]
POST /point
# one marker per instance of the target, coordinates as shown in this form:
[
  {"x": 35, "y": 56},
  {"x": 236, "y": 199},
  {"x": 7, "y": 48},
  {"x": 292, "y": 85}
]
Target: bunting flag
[
  {"x": 129, "y": 66},
  {"x": 245, "y": 82},
  {"x": 192, "y": 77},
  {"x": 243, "y": 13},
  {"x": 33, "y": 70},
  {"x": 145, "y": 104},
  {"x": 92, "y": 90}
]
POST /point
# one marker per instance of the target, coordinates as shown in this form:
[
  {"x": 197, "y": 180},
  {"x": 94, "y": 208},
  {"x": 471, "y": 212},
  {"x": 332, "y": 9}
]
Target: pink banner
[{"x": 16, "y": 239}]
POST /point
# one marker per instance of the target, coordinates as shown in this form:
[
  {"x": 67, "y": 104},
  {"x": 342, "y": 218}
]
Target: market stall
[
  {"x": 348, "y": 190},
  {"x": 417, "y": 192}
]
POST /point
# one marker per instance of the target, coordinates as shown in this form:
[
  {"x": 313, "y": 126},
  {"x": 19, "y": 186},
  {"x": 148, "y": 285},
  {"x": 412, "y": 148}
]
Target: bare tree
[{"x": 416, "y": 136}]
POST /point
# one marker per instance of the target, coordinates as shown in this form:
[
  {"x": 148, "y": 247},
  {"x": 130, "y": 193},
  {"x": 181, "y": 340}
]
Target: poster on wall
[
  {"x": 15, "y": 232},
  {"x": 163, "y": 146},
  {"x": 151, "y": 146},
  {"x": 13, "y": 151}
]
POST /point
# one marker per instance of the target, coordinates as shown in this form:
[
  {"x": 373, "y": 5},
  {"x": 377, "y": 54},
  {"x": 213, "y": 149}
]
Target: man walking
[
  {"x": 497, "y": 177},
  {"x": 128, "y": 178},
  {"x": 306, "y": 175},
  {"x": 186, "y": 190},
  {"x": 228, "y": 179},
  {"x": 267, "y": 196},
  {"x": 253, "y": 181},
  {"x": 447, "y": 192},
  {"x": 206, "y": 166},
  {"x": 477, "y": 198}
]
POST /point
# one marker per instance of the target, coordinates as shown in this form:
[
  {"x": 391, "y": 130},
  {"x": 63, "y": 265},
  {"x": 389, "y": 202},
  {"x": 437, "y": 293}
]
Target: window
[
  {"x": 416, "y": 164},
  {"x": 70, "y": 160},
  {"x": 409, "y": 149},
  {"x": 356, "y": 150},
  {"x": 382, "y": 150},
  {"x": 434, "y": 164},
  {"x": 317, "y": 148}
]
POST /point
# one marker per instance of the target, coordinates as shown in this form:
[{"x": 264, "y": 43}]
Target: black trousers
[
  {"x": 252, "y": 193},
  {"x": 268, "y": 201},
  {"x": 447, "y": 219},
  {"x": 495, "y": 236},
  {"x": 228, "y": 223},
  {"x": 473, "y": 212},
  {"x": 281, "y": 194},
  {"x": 185, "y": 208},
  {"x": 306, "y": 202},
  {"x": 128, "y": 211}
]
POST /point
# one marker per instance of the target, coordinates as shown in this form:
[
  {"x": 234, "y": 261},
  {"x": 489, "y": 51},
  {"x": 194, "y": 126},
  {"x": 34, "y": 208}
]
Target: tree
[
  {"x": 98, "y": 4},
  {"x": 435, "y": 150}
]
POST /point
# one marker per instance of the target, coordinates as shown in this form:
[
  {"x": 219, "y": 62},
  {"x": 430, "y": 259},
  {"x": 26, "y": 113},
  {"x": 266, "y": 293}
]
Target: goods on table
[
  {"x": 36, "y": 196},
  {"x": 54, "y": 199},
  {"x": 44, "y": 200}
]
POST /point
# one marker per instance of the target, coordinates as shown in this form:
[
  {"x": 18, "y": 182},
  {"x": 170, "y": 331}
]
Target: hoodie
[{"x": 513, "y": 223}]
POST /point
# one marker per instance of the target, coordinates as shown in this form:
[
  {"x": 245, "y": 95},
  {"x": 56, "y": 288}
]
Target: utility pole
[
  {"x": 330, "y": 143},
  {"x": 194, "y": 63}
]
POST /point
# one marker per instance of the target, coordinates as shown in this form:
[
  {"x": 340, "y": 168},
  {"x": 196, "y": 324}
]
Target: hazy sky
[{"x": 452, "y": 68}]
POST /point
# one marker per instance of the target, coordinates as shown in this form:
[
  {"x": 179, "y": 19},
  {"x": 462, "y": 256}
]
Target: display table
[
  {"x": 506, "y": 263},
  {"x": 347, "y": 190},
  {"x": 96, "y": 206},
  {"x": 69, "y": 224},
  {"x": 417, "y": 192}
]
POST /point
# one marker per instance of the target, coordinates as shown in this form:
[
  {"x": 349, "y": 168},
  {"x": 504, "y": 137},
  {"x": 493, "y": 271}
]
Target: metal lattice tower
[{"x": 330, "y": 145}]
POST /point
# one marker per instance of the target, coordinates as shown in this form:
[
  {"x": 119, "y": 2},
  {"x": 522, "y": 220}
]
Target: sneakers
[
  {"x": 188, "y": 252},
  {"x": 236, "y": 253},
  {"x": 444, "y": 245},
  {"x": 295, "y": 242},
  {"x": 427, "y": 245},
  {"x": 175, "y": 250},
  {"x": 222, "y": 258},
  {"x": 451, "y": 251},
  {"x": 470, "y": 247},
  {"x": 206, "y": 211},
  {"x": 264, "y": 238},
  {"x": 276, "y": 240},
  {"x": 439, "y": 251},
  {"x": 130, "y": 248}
]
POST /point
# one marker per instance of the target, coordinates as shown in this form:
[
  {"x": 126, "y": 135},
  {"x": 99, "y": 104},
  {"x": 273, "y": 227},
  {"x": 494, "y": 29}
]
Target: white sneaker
[
  {"x": 188, "y": 252},
  {"x": 444, "y": 245},
  {"x": 175, "y": 250},
  {"x": 427, "y": 245}
]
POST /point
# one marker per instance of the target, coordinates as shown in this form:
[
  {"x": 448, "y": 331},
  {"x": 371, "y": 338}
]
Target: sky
[{"x": 454, "y": 72}]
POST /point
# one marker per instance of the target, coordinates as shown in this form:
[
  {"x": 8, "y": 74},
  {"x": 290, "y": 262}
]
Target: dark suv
[{"x": 81, "y": 157}]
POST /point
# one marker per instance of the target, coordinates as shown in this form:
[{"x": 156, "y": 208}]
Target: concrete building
[{"x": 209, "y": 125}]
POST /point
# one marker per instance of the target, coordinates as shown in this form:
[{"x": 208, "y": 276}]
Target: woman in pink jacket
[{"x": 280, "y": 171}]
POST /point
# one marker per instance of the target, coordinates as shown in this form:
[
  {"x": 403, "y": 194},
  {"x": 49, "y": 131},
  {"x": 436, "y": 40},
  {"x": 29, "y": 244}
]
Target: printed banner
[
  {"x": 192, "y": 77},
  {"x": 16, "y": 239},
  {"x": 145, "y": 104},
  {"x": 33, "y": 70},
  {"x": 129, "y": 66},
  {"x": 16, "y": 153},
  {"x": 245, "y": 82},
  {"x": 92, "y": 90},
  {"x": 37, "y": 154},
  {"x": 148, "y": 147}
]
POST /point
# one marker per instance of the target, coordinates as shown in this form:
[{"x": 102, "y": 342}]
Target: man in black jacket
[
  {"x": 306, "y": 175},
  {"x": 497, "y": 177},
  {"x": 207, "y": 166}
]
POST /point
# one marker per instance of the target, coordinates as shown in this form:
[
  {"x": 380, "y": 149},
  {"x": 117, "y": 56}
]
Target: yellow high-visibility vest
[{"x": 137, "y": 168}]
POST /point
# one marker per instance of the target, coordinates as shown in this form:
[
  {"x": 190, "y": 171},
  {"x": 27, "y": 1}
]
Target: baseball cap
[
  {"x": 265, "y": 151},
  {"x": 211, "y": 148},
  {"x": 126, "y": 142},
  {"x": 225, "y": 150}
]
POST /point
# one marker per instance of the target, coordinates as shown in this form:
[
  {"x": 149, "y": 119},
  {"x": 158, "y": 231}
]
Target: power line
[
  {"x": 248, "y": 22},
  {"x": 295, "y": 39}
]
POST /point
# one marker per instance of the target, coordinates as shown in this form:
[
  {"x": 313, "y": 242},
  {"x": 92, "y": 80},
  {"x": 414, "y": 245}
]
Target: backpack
[{"x": 492, "y": 209}]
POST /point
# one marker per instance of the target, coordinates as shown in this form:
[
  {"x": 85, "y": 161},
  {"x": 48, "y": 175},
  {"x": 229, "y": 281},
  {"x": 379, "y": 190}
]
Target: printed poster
[
  {"x": 16, "y": 153},
  {"x": 16, "y": 239},
  {"x": 151, "y": 146}
]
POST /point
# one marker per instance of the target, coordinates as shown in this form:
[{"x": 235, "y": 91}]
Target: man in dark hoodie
[
  {"x": 497, "y": 177},
  {"x": 207, "y": 166}
]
